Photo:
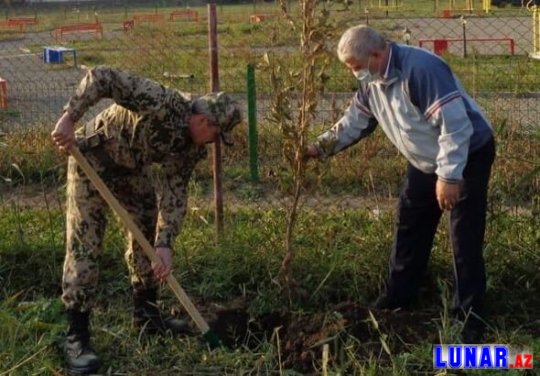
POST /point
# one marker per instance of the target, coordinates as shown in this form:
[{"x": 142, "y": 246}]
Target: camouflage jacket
[{"x": 147, "y": 125}]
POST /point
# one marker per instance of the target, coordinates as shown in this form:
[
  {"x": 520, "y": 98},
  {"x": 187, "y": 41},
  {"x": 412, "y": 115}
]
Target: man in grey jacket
[{"x": 425, "y": 112}]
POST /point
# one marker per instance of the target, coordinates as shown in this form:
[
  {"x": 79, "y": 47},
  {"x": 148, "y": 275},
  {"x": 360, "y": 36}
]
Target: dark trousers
[{"x": 418, "y": 218}]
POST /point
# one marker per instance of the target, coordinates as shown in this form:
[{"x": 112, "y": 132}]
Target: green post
[{"x": 252, "y": 124}]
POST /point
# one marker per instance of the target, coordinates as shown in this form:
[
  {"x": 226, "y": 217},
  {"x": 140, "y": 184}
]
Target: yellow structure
[
  {"x": 486, "y": 5},
  {"x": 382, "y": 3},
  {"x": 535, "y": 54},
  {"x": 469, "y": 5}
]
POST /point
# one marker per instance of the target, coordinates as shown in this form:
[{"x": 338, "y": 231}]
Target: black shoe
[
  {"x": 159, "y": 325},
  {"x": 474, "y": 325},
  {"x": 473, "y": 331},
  {"x": 147, "y": 316},
  {"x": 80, "y": 357}
]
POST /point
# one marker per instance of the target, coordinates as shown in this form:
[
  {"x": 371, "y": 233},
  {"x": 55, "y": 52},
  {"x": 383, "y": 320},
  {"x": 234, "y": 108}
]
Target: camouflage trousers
[{"x": 86, "y": 220}]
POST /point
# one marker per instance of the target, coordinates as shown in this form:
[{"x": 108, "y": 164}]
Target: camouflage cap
[{"x": 222, "y": 110}]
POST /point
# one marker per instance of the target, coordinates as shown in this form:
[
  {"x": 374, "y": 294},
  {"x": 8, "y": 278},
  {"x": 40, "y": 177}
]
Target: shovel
[{"x": 211, "y": 338}]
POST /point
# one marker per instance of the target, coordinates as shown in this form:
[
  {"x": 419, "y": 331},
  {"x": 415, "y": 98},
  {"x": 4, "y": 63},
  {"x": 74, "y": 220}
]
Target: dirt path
[{"x": 36, "y": 197}]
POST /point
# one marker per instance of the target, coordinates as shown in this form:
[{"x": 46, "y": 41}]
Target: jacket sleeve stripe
[{"x": 438, "y": 104}]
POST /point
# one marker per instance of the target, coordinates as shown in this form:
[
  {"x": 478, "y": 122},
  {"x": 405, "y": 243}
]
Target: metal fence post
[
  {"x": 214, "y": 86},
  {"x": 252, "y": 124},
  {"x": 464, "y": 25},
  {"x": 366, "y": 13}
]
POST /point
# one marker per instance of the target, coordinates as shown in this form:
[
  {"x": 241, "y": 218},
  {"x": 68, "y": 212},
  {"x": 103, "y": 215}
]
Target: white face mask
[{"x": 365, "y": 74}]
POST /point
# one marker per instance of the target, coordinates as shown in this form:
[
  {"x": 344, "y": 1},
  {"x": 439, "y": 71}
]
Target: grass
[
  {"x": 28, "y": 156},
  {"x": 343, "y": 239},
  {"x": 342, "y": 257}
]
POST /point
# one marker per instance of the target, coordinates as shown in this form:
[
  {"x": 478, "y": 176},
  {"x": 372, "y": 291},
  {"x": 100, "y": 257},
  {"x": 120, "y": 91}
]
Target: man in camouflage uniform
[{"x": 148, "y": 124}]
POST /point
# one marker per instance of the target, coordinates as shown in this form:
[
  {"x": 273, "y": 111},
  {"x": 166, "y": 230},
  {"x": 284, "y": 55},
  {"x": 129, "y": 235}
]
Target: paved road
[{"x": 36, "y": 91}]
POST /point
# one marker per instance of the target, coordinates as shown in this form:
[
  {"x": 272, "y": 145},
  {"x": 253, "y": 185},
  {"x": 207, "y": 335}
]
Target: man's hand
[
  {"x": 163, "y": 269},
  {"x": 311, "y": 152},
  {"x": 63, "y": 134},
  {"x": 447, "y": 194}
]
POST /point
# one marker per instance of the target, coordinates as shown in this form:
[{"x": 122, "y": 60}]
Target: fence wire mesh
[{"x": 45, "y": 49}]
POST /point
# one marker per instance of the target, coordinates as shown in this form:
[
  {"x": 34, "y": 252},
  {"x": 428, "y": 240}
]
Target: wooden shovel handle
[{"x": 139, "y": 237}]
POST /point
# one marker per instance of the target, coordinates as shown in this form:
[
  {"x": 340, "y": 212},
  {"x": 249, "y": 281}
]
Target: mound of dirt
[{"x": 302, "y": 336}]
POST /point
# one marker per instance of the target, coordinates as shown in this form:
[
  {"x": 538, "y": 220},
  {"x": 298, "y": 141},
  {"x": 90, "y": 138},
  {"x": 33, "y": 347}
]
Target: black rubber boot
[
  {"x": 80, "y": 358},
  {"x": 474, "y": 325},
  {"x": 147, "y": 316}
]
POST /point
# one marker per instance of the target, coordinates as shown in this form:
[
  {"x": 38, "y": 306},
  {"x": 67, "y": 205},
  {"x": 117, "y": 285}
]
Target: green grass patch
[{"x": 342, "y": 256}]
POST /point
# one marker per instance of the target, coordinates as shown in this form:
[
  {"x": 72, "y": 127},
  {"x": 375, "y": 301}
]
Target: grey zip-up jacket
[{"x": 422, "y": 108}]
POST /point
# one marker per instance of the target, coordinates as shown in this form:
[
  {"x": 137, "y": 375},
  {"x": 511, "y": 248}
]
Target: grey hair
[{"x": 358, "y": 42}]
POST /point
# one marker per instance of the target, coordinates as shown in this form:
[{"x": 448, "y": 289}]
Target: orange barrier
[
  {"x": 256, "y": 18},
  {"x": 18, "y": 23},
  {"x": 5, "y": 24},
  {"x": 23, "y": 20},
  {"x": 150, "y": 17},
  {"x": 128, "y": 25},
  {"x": 191, "y": 15},
  {"x": 60, "y": 31},
  {"x": 3, "y": 93},
  {"x": 446, "y": 13},
  {"x": 440, "y": 45}
]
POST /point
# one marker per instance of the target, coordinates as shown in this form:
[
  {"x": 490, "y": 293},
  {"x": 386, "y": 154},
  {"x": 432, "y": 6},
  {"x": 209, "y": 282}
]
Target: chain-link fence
[
  {"x": 45, "y": 48},
  {"x": 170, "y": 44}
]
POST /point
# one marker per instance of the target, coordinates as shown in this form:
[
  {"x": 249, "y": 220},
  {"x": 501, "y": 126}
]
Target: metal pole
[
  {"x": 214, "y": 87},
  {"x": 366, "y": 12},
  {"x": 252, "y": 124},
  {"x": 536, "y": 31},
  {"x": 407, "y": 36},
  {"x": 464, "y": 25}
]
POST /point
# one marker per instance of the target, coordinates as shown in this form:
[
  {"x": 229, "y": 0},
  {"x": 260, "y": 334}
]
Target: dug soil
[{"x": 301, "y": 337}]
